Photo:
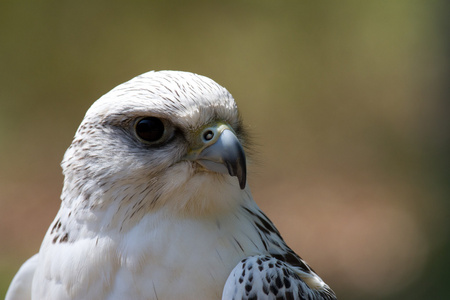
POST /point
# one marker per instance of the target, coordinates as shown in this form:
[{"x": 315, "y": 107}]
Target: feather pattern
[{"x": 147, "y": 220}]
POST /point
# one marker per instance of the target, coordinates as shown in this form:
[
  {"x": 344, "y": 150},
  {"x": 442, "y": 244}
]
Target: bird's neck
[{"x": 105, "y": 207}]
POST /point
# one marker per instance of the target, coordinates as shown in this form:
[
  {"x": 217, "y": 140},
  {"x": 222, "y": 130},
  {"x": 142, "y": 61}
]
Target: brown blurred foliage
[{"x": 347, "y": 102}]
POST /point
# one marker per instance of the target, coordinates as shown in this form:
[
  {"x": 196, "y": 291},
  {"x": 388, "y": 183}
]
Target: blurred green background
[{"x": 347, "y": 102}]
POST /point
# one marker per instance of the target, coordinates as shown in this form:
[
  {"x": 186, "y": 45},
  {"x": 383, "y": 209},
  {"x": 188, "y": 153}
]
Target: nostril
[{"x": 208, "y": 135}]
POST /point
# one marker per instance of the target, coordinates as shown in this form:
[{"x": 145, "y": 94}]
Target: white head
[{"x": 157, "y": 141}]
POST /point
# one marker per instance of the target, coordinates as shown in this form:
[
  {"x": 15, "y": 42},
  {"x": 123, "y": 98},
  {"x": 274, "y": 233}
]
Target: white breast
[{"x": 161, "y": 257}]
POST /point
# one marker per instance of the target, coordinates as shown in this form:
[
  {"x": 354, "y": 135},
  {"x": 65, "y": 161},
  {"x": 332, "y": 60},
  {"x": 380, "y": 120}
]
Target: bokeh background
[{"x": 347, "y": 102}]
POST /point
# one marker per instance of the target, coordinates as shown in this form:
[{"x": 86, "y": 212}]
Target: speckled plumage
[{"x": 154, "y": 221}]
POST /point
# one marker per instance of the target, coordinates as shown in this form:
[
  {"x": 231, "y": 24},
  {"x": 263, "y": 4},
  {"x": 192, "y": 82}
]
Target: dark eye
[{"x": 150, "y": 129}]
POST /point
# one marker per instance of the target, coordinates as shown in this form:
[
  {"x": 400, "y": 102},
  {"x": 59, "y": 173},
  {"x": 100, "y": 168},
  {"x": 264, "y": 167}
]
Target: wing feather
[
  {"x": 20, "y": 287},
  {"x": 266, "y": 277}
]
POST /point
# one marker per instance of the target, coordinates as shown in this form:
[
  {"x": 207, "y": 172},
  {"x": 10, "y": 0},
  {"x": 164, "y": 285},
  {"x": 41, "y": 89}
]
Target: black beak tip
[
  {"x": 242, "y": 180},
  {"x": 239, "y": 169}
]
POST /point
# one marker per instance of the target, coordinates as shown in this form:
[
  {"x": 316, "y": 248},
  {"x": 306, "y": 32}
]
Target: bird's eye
[{"x": 150, "y": 129}]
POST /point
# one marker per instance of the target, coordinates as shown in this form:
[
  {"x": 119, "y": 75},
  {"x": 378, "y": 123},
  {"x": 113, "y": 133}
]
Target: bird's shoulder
[
  {"x": 21, "y": 284},
  {"x": 277, "y": 272},
  {"x": 266, "y": 277}
]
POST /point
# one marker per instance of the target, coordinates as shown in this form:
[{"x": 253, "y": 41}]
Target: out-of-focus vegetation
[{"x": 347, "y": 102}]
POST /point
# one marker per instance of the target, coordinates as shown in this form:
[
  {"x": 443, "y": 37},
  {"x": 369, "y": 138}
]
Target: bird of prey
[{"x": 155, "y": 205}]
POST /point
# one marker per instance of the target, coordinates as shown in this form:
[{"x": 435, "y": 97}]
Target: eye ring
[
  {"x": 150, "y": 129},
  {"x": 208, "y": 135}
]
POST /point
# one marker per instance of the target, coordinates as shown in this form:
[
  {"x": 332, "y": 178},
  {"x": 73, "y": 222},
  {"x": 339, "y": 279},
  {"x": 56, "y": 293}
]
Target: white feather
[
  {"x": 141, "y": 222},
  {"x": 20, "y": 288}
]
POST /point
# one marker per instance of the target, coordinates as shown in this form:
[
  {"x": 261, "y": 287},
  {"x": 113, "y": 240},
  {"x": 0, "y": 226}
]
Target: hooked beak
[{"x": 220, "y": 151}]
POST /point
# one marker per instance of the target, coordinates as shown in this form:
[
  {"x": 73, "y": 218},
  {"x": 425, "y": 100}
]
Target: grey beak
[{"x": 225, "y": 155}]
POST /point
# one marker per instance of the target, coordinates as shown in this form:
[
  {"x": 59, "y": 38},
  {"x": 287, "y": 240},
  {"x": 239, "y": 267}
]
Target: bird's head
[{"x": 163, "y": 139}]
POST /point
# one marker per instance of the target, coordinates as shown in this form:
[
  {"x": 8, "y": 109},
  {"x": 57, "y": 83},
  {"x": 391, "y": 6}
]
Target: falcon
[{"x": 155, "y": 205}]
